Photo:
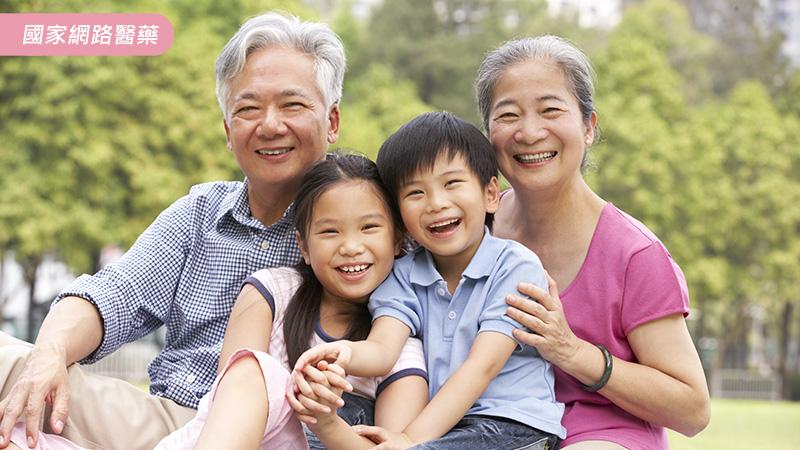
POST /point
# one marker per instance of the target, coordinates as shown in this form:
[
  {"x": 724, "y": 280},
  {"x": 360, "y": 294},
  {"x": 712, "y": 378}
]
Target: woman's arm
[
  {"x": 667, "y": 387},
  {"x": 229, "y": 424}
]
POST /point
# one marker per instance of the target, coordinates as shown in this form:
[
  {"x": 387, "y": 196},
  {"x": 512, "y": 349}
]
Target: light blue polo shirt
[{"x": 417, "y": 295}]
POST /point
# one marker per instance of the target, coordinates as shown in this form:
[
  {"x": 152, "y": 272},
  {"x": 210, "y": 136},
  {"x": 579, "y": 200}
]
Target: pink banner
[{"x": 84, "y": 34}]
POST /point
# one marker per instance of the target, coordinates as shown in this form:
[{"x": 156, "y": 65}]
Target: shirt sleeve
[
  {"x": 395, "y": 297},
  {"x": 134, "y": 295},
  {"x": 654, "y": 288},
  {"x": 410, "y": 363},
  {"x": 514, "y": 267}
]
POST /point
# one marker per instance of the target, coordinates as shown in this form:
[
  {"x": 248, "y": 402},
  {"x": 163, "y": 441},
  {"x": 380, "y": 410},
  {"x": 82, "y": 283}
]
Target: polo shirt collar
[{"x": 423, "y": 269}]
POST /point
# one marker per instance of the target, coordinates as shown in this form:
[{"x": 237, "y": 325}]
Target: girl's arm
[
  {"x": 401, "y": 402},
  {"x": 249, "y": 326},
  {"x": 666, "y": 387}
]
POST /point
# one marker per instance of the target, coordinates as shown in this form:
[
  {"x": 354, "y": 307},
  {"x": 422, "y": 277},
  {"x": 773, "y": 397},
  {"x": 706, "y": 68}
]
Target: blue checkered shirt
[{"x": 185, "y": 272}]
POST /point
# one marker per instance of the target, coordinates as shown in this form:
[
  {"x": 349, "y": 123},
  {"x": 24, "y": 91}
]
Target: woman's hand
[
  {"x": 543, "y": 314},
  {"x": 385, "y": 439}
]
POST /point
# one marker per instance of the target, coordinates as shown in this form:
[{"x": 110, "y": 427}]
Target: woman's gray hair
[
  {"x": 312, "y": 38},
  {"x": 572, "y": 61}
]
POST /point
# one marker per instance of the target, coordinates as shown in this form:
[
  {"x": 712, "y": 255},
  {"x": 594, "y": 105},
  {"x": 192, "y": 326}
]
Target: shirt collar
[
  {"x": 235, "y": 205},
  {"x": 423, "y": 269}
]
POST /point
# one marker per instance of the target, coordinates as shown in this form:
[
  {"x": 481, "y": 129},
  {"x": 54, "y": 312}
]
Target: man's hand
[{"x": 43, "y": 379}]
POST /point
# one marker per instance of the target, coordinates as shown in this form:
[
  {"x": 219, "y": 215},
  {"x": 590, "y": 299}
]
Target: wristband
[{"x": 606, "y": 371}]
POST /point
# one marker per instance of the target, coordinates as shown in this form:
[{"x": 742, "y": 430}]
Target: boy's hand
[{"x": 383, "y": 438}]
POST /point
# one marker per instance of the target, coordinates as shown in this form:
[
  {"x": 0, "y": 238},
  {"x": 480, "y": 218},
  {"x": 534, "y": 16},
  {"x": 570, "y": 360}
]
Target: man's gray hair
[
  {"x": 312, "y": 38},
  {"x": 573, "y": 62}
]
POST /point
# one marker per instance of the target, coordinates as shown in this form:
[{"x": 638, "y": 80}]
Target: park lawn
[{"x": 746, "y": 424}]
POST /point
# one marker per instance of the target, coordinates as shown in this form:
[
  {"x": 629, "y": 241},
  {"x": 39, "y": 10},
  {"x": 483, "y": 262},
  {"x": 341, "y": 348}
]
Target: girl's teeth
[
  {"x": 354, "y": 269},
  {"x": 445, "y": 223}
]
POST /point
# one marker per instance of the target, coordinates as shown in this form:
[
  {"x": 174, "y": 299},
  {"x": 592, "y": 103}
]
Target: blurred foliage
[{"x": 701, "y": 128}]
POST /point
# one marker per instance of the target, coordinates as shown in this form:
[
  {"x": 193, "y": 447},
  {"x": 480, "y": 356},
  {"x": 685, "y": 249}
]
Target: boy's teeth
[
  {"x": 273, "y": 152},
  {"x": 354, "y": 269},
  {"x": 535, "y": 157},
  {"x": 444, "y": 223}
]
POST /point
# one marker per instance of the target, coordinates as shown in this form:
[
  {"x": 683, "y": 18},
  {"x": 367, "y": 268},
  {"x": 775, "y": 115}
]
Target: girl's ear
[{"x": 303, "y": 248}]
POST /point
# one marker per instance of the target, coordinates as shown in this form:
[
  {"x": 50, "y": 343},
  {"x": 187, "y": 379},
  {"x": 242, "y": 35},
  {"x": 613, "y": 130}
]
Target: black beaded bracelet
[{"x": 606, "y": 371}]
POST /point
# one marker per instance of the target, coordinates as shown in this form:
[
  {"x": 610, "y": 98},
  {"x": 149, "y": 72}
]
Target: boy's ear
[
  {"x": 303, "y": 248},
  {"x": 492, "y": 195},
  {"x": 398, "y": 243}
]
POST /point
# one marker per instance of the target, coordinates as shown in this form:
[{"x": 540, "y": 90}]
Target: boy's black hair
[
  {"x": 415, "y": 146},
  {"x": 302, "y": 314}
]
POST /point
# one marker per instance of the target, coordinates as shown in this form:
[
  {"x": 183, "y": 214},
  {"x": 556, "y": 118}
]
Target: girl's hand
[
  {"x": 323, "y": 379},
  {"x": 543, "y": 314},
  {"x": 337, "y": 352},
  {"x": 385, "y": 439}
]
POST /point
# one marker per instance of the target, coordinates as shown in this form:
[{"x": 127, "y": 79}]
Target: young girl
[{"x": 349, "y": 237}]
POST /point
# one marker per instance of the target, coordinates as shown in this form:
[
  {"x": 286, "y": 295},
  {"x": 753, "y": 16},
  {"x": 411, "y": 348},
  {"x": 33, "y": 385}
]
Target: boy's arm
[
  {"x": 373, "y": 357},
  {"x": 488, "y": 355}
]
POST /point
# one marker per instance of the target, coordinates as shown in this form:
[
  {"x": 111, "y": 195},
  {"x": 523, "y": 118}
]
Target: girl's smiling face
[{"x": 351, "y": 241}]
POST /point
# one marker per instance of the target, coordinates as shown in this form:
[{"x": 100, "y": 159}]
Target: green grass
[{"x": 746, "y": 424}]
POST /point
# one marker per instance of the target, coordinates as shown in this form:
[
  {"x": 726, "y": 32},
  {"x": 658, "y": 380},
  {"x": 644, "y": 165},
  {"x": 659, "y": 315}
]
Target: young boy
[{"x": 486, "y": 389}]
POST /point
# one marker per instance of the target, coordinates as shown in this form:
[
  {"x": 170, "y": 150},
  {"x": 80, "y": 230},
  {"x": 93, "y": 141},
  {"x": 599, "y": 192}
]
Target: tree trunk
[
  {"x": 783, "y": 351},
  {"x": 29, "y": 272},
  {"x": 2, "y": 285}
]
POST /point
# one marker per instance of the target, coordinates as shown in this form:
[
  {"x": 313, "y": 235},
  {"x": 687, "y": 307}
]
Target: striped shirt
[
  {"x": 279, "y": 285},
  {"x": 184, "y": 272}
]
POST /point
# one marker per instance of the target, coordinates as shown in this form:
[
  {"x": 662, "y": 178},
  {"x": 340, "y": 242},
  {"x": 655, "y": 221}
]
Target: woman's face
[{"x": 536, "y": 128}]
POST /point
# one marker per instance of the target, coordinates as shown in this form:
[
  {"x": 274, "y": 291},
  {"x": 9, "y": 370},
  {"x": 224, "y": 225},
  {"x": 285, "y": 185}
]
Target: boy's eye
[
  {"x": 370, "y": 226},
  {"x": 453, "y": 183},
  {"x": 413, "y": 192},
  {"x": 327, "y": 231}
]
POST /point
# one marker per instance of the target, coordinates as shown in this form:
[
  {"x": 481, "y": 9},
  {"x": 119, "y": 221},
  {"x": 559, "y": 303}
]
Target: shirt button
[
  {"x": 264, "y": 245},
  {"x": 451, "y": 315},
  {"x": 440, "y": 291},
  {"x": 190, "y": 378}
]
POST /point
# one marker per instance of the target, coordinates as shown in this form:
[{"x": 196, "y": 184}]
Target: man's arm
[{"x": 72, "y": 330}]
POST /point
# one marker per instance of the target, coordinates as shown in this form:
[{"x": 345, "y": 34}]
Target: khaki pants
[{"x": 104, "y": 412}]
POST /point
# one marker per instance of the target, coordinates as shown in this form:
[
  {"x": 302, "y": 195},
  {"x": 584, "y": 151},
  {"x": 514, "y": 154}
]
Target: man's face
[{"x": 278, "y": 122}]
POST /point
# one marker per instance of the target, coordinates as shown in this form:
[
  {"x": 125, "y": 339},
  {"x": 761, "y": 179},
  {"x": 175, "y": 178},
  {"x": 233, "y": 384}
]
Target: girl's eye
[
  {"x": 413, "y": 193},
  {"x": 328, "y": 231},
  {"x": 371, "y": 226}
]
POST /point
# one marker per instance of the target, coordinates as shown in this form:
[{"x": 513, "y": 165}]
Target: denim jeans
[
  {"x": 356, "y": 411},
  {"x": 486, "y": 433}
]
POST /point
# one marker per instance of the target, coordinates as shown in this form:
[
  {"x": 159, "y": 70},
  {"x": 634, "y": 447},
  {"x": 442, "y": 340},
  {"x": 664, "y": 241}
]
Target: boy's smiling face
[{"x": 444, "y": 210}]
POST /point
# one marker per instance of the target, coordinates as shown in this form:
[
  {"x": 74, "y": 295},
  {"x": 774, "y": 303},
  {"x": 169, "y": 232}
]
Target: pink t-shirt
[{"x": 627, "y": 279}]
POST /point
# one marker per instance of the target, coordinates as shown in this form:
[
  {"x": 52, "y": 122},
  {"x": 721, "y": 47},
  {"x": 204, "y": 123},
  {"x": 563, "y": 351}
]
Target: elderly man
[{"x": 280, "y": 112}]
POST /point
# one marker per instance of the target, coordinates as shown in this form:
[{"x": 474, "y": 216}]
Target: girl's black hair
[
  {"x": 417, "y": 145},
  {"x": 302, "y": 314}
]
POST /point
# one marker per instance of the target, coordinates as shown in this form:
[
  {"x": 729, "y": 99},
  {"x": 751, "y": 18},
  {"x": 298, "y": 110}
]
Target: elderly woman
[{"x": 625, "y": 363}]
